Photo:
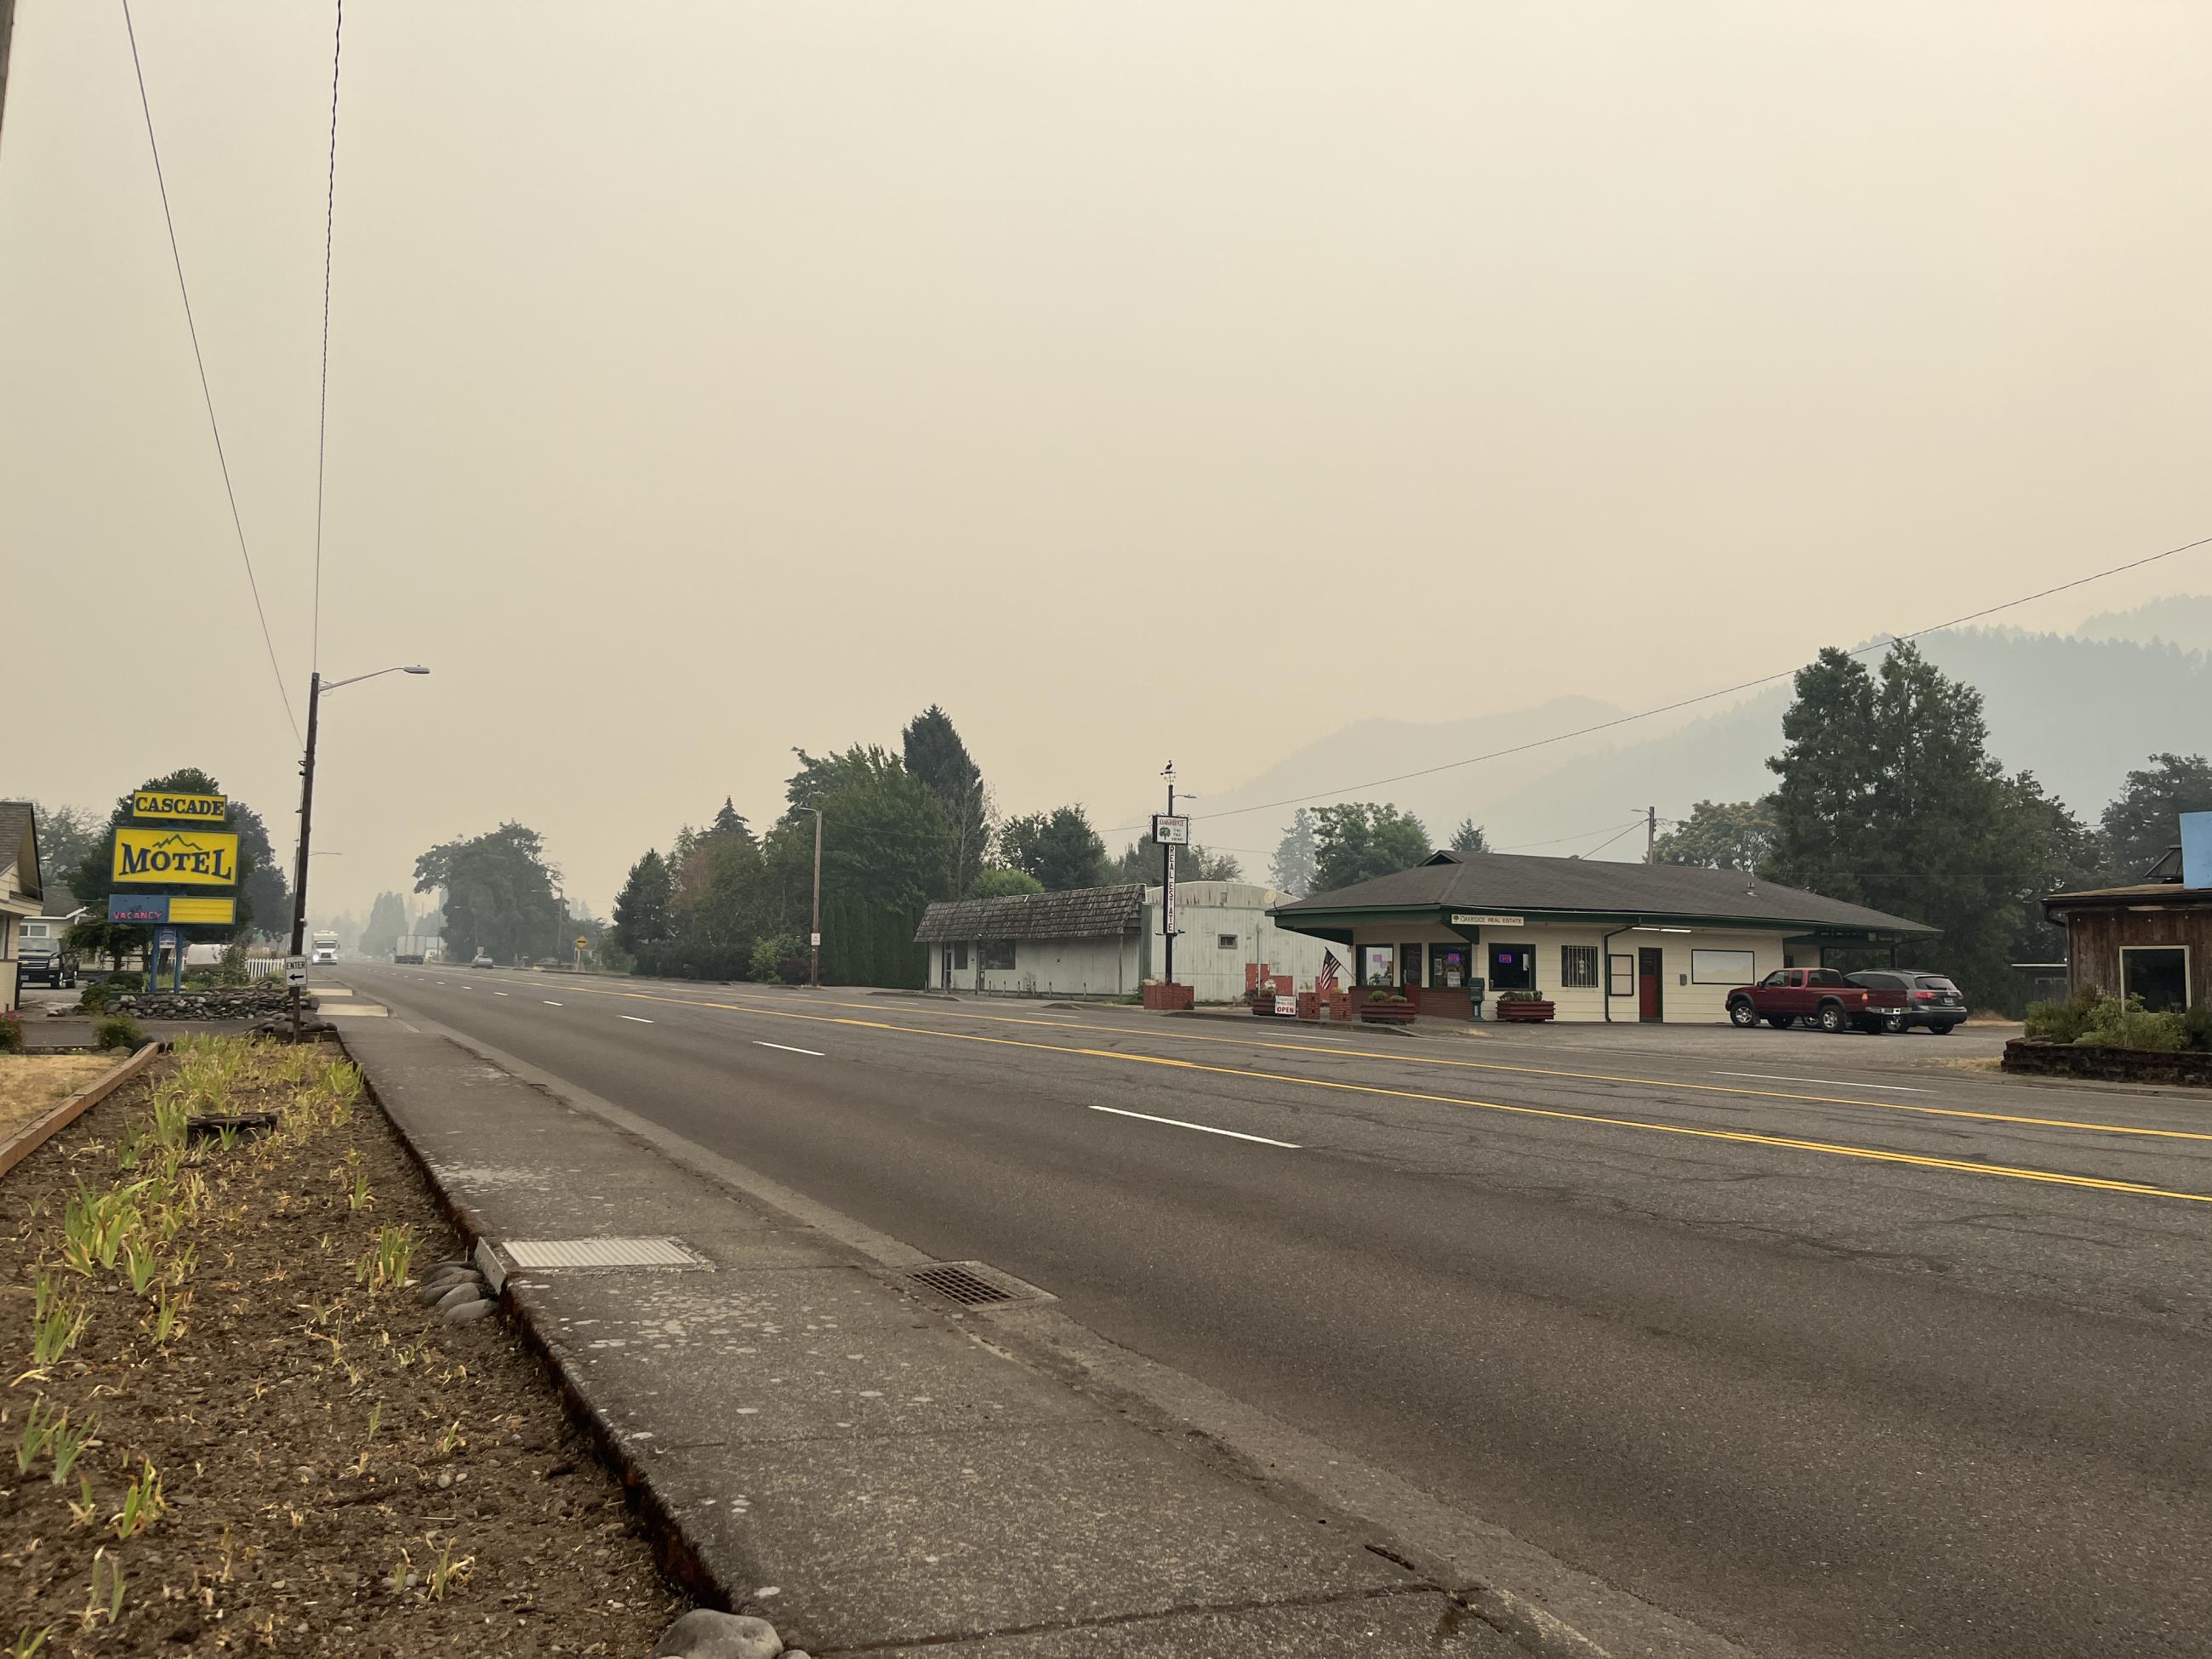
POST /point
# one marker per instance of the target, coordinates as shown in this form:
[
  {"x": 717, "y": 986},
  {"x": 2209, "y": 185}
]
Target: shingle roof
[
  {"x": 1083, "y": 913},
  {"x": 1514, "y": 881},
  {"x": 19, "y": 837}
]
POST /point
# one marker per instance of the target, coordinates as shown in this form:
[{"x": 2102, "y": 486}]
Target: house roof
[
  {"x": 19, "y": 846},
  {"x": 1518, "y": 882},
  {"x": 1081, "y": 913},
  {"x": 2159, "y": 893},
  {"x": 59, "y": 901}
]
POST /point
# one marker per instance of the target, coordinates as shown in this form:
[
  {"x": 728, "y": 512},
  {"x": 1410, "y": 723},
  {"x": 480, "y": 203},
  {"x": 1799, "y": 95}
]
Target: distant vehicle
[
  {"x": 325, "y": 948},
  {"x": 482, "y": 959},
  {"x": 1911, "y": 996},
  {"x": 204, "y": 956},
  {"x": 56, "y": 969},
  {"x": 413, "y": 950},
  {"x": 1820, "y": 996}
]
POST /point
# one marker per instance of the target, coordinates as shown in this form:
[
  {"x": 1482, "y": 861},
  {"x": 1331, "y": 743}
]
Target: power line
[
  {"x": 1703, "y": 696},
  {"x": 206, "y": 394},
  {"x": 323, "y": 410}
]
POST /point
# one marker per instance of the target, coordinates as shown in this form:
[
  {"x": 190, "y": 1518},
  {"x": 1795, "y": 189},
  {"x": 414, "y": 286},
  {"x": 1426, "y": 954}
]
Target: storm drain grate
[
  {"x": 976, "y": 1285},
  {"x": 535, "y": 1253}
]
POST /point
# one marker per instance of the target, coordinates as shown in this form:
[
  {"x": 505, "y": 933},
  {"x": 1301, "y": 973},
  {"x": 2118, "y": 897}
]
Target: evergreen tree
[
  {"x": 729, "y": 822},
  {"x": 641, "y": 907},
  {"x": 1357, "y": 841},
  {"x": 1059, "y": 848},
  {"x": 388, "y": 920},
  {"x": 1469, "y": 837},
  {"x": 1293, "y": 865},
  {"x": 2145, "y": 820},
  {"x": 934, "y": 754}
]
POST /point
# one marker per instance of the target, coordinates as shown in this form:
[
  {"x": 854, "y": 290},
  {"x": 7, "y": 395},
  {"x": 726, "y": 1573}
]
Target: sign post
[
  {"x": 1170, "y": 832},
  {"x": 581, "y": 943}
]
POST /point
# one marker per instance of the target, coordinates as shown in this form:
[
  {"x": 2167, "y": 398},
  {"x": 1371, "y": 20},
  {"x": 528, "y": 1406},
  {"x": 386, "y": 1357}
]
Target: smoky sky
[{"x": 1137, "y": 381}]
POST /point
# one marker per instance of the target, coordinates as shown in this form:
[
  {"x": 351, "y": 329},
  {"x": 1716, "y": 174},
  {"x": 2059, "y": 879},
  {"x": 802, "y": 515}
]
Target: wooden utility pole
[
  {"x": 814, "y": 939},
  {"x": 307, "y": 826},
  {"x": 1651, "y": 835}
]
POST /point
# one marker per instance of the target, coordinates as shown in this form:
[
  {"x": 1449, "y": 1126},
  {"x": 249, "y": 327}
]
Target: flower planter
[
  {"x": 1169, "y": 998},
  {"x": 1395, "y": 1012},
  {"x": 1310, "y": 1005},
  {"x": 1510, "y": 1012}
]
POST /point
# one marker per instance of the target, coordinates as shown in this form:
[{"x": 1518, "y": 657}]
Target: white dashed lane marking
[
  {"x": 636, "y": 1019},
  {"x": 1203, "y": 1129},
  {"x": 788, "y": 1050}
]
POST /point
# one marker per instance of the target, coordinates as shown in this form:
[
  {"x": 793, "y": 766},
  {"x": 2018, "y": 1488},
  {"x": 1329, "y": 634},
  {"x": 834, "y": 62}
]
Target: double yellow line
[{"x": 1741, "y": 1137}]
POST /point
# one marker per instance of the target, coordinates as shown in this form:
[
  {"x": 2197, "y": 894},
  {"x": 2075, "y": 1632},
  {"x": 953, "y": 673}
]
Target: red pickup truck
[{"x": 1821, "y": 995}]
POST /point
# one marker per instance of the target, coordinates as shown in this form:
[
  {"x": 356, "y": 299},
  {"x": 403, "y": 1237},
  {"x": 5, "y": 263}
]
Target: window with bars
[{"x": 1578, "y": 967}]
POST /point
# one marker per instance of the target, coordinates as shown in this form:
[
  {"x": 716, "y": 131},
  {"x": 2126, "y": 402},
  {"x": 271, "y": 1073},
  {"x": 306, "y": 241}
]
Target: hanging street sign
[
  {"x": 160, "y": 804},
  {"x": 190, "y": 858},
  {"x": 1169, "y": 831},
  {"x": 178, "y": 909}
]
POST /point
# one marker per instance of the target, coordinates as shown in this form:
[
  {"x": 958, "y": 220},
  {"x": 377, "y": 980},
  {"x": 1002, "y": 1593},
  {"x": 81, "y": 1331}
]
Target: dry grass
[{"x": 32, "y": 1084}]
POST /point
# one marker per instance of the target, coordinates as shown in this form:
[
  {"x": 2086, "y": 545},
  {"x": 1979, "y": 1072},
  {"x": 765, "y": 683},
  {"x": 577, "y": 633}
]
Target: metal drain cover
[
  {"x": 527, "y": 1254},
  {"x": 975, "y": 1284}
]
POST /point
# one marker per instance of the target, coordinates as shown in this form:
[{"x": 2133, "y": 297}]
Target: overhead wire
[
  {"x": 323, "y": 406},
  {"x": 1882, "y": 644},
  {"x": 206, "y": 394}
]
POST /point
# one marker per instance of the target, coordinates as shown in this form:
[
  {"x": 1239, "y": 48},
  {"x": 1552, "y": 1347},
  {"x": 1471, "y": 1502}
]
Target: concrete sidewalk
[{"x": 846, "y": 1453}]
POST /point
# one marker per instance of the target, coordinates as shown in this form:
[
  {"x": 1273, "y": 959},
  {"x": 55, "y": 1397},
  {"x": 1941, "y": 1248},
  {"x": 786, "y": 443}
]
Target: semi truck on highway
[{"x": 324, "y": 947}]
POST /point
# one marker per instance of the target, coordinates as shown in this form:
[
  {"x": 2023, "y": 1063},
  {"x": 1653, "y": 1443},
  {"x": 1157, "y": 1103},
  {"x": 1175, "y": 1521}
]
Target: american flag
[{"x": 1327, "y": 980}]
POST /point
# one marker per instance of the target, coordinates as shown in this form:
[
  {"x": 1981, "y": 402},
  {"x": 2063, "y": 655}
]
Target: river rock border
[{"x": 2101, "y": 1062}]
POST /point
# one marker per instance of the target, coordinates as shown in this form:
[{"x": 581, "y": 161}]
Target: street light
[
  {"x": 316, "y": 687},
  {"x": 814, "y": 939}
]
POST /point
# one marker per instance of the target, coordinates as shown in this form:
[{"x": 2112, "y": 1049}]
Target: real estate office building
[{"x": 1602, "y": 941}]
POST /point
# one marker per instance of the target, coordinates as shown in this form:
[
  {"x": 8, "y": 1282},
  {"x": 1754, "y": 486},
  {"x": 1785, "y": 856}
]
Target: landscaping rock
[
  {"x": 468, "y": 1290},
  {"x": 241, "y": 1002},
  {"x": 703, "y": 1634},
  {"x": 436, "y": 1290},
  {"x": 461, "y": 1312}
]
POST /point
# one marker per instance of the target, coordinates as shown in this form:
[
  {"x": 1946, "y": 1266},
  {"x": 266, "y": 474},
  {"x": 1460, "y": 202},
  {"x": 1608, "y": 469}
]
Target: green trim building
[{"x": 1601, "y": 940}]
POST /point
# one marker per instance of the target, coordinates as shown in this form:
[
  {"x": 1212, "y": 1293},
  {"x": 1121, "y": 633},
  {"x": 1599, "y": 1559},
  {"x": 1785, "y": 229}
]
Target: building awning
[
  {"x": 1469, "y": 892},
  {"x": 1081, "y": 913}
]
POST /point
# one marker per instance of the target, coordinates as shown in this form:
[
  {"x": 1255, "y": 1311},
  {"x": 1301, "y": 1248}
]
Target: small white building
[
  {"x": 1107, "y": 942},
  {"x": 1599, "y": 940}
]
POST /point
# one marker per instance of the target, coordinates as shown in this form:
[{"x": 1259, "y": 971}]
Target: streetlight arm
[{"x": 397, "y": 668}]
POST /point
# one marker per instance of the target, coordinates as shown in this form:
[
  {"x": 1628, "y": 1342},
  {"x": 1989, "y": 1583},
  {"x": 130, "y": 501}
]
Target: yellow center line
[
  {"x": 1741, "y": 1137},
  {"x": 1335, "y": 1052}
]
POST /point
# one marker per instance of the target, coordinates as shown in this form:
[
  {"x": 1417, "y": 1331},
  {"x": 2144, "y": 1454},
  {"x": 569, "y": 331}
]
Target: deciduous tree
[
  {"x": 1357, "y": 841},
  {"x": 1059, "y": 848},
  {"x": 1737, "y": 834},
  {"x": 497, "y": 892}
]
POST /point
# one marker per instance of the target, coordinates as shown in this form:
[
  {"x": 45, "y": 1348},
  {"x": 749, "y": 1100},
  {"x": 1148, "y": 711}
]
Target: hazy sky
[{"x": 1137, "y": 381}]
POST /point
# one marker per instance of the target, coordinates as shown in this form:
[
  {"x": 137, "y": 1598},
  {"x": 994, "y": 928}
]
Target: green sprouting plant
[
  {"x": 68, "y": 1443},
  {"x": 44, "y": 1289},
  {"x": 38, "y": 1434},
  {"x": 173, "y": 1115},
  {"x": 385, "y": 1262},
  {"x": 166, "y": 1314},
  {"x": 360, "y": 1198},
  {"x": 83, "y": 1514},
  {"x": 113, "y": 1608},
  {"x": 446, "y": 1571},
  {"x": 451, "y": 1439},
  {"x": 138, "y": 1263},
  {"x": 399, "y": 1568},
  {"x": 28, "y": 1641},
  {"x": 143, "y": 1504},
  {"x": 56, "y": 1332},
  {"x": 127, "y": 1152}
]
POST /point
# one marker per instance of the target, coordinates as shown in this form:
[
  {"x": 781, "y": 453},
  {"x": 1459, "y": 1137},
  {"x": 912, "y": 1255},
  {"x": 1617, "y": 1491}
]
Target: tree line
[{"x": 900, "y": 829}]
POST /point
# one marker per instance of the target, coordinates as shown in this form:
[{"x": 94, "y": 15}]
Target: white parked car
[{"x": 482, "y": 959}]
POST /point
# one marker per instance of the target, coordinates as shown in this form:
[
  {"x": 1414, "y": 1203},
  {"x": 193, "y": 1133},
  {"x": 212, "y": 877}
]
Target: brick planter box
[
  {"x": 1169, "y": 998},
  {"x": 2035, "y": 1057},
  {"x": 1396, "y": 1011},
  {"x": 1510, "y": 1012}
]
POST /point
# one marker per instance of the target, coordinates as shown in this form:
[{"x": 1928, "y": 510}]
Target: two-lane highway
[{"x": 1831, "y": 1362}]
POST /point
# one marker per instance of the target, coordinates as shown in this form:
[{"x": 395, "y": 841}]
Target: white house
[
  {"x": 1107, "y": 942},
  {"x": 22, "y": 892}
]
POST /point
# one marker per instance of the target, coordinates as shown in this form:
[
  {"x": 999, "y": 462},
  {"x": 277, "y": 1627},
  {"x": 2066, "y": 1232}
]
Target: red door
[{"x": 1650, "y": 1003}]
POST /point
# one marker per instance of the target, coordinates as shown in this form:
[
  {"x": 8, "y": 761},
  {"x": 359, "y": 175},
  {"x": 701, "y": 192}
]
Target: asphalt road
[{"x": 1834, "y": 1358}]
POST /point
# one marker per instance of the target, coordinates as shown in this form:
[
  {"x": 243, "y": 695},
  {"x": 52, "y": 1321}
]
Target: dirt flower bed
[{"x": 231, "y": 1425}]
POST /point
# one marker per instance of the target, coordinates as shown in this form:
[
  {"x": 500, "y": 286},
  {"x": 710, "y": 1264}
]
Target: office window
[
  {"x": 1621, "y": 976},
  {"x": 1722, "y": 967},
  {"x": 957, "y": 954},
  {"x": 1226, "y": 941},
  {"x": 998, "y": 955},
  {"x": 2158, "y": 973},
  {"x": 1578, "y": 967}
]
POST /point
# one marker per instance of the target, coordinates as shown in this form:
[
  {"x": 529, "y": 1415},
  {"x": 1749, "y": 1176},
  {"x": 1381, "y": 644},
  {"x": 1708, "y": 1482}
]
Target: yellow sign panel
[
  {"x": 190, "y": 858},
  {"x": 160, "y": 804},
  {"x": 205, "y": 912}
]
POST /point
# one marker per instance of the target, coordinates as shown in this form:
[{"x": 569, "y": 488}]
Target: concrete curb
[
  {"x": 675, "y": 1552},
  {"x": 39, "y": 1130}
]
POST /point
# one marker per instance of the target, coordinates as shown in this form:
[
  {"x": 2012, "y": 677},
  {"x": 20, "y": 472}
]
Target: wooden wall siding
[{"x": 2093, "y": 938}]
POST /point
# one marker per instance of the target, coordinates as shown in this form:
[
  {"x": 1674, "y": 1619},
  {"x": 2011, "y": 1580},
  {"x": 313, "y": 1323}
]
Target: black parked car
[
  {"x": 1915, "y": 998},
  {"x": 56, "y": 969}
]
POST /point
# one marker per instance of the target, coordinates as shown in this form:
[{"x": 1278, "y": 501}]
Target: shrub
[
  {"x": 11, "y": 1035},
  {"x": 118, "y": 1031},
  {"x": 770, "y": 954},
  {"x": 2053, "y": 1021},
  {"x": 97, "y": 997},
  {"x": 2196, "y": 1029},
  {"x": 2130, "y": 1026},
  {"x": 233, "y": 970}
]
